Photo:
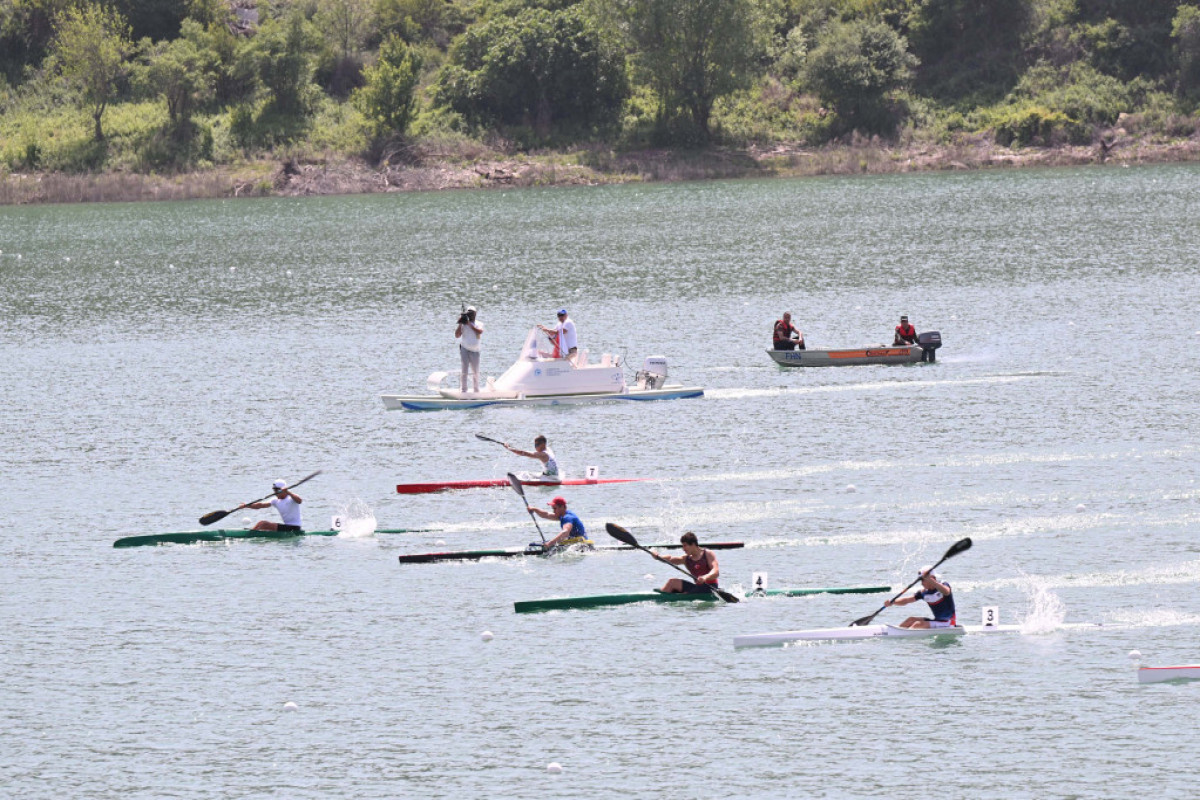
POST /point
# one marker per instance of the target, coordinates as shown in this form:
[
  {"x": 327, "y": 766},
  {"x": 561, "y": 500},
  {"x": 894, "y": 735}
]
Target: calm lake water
[{"x": 159, "y": 361}]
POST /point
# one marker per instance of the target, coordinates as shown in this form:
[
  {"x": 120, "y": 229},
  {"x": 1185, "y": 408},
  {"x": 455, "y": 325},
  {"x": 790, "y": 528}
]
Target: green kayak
[
  {"x": 191, "y": 537},
  {"x": 599, "y": 600}
]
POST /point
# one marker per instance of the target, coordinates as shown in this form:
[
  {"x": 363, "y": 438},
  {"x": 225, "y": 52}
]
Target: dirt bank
[{"x": 593, "y": 166}]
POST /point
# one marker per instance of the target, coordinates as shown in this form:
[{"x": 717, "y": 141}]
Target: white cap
[
  {"x": 470, "y": 309},
  {"x": 927, "y": 568},
  {"x": 280, "y": 484}
]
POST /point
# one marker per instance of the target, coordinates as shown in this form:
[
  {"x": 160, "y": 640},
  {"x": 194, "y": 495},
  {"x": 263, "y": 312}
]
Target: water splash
[
  {"x": 1044, "y": 610},
  {"x": 358, "y": 520}
]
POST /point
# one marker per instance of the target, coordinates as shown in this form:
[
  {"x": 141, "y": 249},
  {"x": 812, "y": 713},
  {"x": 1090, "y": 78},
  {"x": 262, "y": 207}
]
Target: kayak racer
[
  {"x": 700, "y": 562},
  {"x": 572, "y": 533},
  {"x": 905, "y": 333},
  {"x": 938, "y": 595},
  {"x": 543, "y": 454},
  {"x": 288, "y": 506}
]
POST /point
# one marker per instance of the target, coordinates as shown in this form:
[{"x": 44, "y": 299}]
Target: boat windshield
[{"x": 530, "y": 351}]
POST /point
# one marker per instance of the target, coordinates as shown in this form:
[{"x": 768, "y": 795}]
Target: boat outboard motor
[
  {"x": 653, "y": 373},
  {"x": 929, "y": 342}
]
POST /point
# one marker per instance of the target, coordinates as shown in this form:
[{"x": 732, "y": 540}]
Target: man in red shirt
[
  {"x": 782, "y": 335},
  {"x": 905, "y": 333}
]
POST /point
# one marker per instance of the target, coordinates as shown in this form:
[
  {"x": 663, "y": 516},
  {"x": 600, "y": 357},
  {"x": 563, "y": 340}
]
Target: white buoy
[
  {"x": 440, "y": 542},
  {"x": 117, "y": 262},
  {"x": 554, "y": 768},
  {"x": 851, "y": 488},
  {"x": 246, "y": 521},
  {"x": 1080, "y": 508},
  {"x": 1135, "y": 655},
  {"x": 289, "y": 272},
  {"x": 66, "y": 258},
  {"x": 233, "y": 269},
  {"x": 290, "y": 706},
  {"x": 487, "y": 636},
  {"x": 648, "y": 576},
  {"x": 170, "y": 266}
]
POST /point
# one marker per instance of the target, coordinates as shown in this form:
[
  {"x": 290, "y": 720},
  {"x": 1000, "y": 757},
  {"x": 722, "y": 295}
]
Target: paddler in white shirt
[
  {"x": 468, "y": 332},
  {"x": 543, "y": 454},
  {"x": 564, "y": 337},
  {"x": 286, "y": 503},
  {"x": 938, "y": 594}
]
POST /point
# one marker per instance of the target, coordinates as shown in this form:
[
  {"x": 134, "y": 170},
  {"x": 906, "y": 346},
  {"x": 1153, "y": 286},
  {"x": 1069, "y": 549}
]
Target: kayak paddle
[
  {"x": 214, "y": 516},
  {"x": 624, "y": 536},
  {"x": 516, "y": 484},
  {"x": 490, "y": 439},
  {"x": 961, "y": 546}
]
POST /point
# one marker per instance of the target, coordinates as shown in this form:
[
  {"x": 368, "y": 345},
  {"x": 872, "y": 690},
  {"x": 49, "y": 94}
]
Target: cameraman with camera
[{"x": 469, "y": 331}]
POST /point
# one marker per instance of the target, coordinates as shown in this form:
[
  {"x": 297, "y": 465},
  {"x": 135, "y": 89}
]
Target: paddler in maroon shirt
[
  {"x": 905, "y": 333},
  {"x": 698, "y": 561}
]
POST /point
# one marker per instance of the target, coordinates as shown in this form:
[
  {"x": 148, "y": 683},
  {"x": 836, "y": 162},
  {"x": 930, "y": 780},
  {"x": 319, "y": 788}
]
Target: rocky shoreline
[{"x": 427, "y": 172}]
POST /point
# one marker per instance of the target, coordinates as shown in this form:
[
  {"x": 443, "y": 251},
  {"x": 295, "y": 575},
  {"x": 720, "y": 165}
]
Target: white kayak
[
  {"x": 1190, "y": 672},
  {"x": 540, "y": 378},
  {"x": 864, "y": 632}
]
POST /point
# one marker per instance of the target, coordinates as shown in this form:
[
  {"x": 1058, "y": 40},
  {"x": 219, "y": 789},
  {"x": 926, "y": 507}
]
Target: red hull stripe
[{"x": 445, "y": 486}]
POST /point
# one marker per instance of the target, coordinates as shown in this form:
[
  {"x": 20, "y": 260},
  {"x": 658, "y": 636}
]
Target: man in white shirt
[
  {"x": 288, "y": 506},
  {"x": 563, "y": 335},
  {"x": 469, "y": 331}
]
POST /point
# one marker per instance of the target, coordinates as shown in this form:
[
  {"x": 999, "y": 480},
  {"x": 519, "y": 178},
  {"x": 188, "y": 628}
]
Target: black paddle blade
[
  {"x": 726, "y": 596},
  {"x": 620, "y": 534},
  {"x": 214, "y": 516},
  {"x": 488, "y": 438},
  {"x": 516, "y": 484},
  {"x": 865, "y": 620},
  {"x": 961, "y": 546}
]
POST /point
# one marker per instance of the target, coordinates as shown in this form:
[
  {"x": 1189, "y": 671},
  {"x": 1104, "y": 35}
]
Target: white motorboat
[
  {"x": 864, "y": 632},
  {"x": 540, "y": 378},
  {"x": 924, "y": 350}
]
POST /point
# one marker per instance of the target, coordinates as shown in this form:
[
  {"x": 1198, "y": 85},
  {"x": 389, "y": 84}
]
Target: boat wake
[
  {"x": 1161, "y": 575},
  {"x": 356, "y": 520},
  {"x": 788, "y": 391}
]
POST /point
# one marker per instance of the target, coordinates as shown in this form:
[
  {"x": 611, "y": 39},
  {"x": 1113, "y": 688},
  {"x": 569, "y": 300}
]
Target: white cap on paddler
[
  {"x": 280, "y": 484},
  {"x": 928, "y": 568}
]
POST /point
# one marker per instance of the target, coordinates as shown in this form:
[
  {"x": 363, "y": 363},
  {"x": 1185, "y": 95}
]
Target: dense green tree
[
  {"x": 26, "y": 31},
  {"x": 968, "y": 48},
  {"x": 435, "y": 21},
  {"x": 281, "y": 52},
  {"x": 183, "y": 74},
  {"x": 1185, "y": 29},
  {"x": 543, "y": 69},
  {"x": 91, "y": 51},
  {"x": 156, "y": 19},
  {"x": 344, "y": 24},
  {"x": 852, "y": 69},
  {"x": 1127, "y": 38},
  {"x": 695, "y": 51},
  {"x": 389, "y": 96}
]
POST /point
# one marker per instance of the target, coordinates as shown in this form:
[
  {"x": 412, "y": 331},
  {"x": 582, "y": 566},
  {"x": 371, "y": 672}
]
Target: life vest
[
  {"x": 906, "y": 331},
  {"x": 783, "y": 330}
]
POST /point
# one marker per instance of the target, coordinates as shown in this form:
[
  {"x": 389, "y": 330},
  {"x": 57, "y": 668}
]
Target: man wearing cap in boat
[
  {"x": 469, "y": 331},
  {"x": 782, "y": 337},
  {"x": 937, "y": 593},
  {"x": 286, "y": 503},
  {"x": 543, "y": 454},
  {"x": 700, "y": 562},
  {"x": 905, "y": 333},
  {"x": 572, "y": 531},
  {"x": 563, "y": 336}
]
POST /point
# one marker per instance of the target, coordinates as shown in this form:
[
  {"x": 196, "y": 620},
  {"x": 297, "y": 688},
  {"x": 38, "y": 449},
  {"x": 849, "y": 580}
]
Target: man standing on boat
[
  {"x": 286, "y": 503},
  {"x": 543, "y": 454},
  {"x": 572, "y": 531},
  {"x": 937, "y": 593},
  {"x": 700, "y": 562},
  {"x": 783, "y": 334},
  {"x": 905, "y": 333},
  {"x": 469, "y": 331},
  {"x": 563, "y": 335}
]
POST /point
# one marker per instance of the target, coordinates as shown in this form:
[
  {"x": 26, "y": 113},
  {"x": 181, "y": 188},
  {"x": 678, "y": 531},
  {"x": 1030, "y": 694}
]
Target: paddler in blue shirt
[
  {"x": 698, "y": 561},
  {"x": 288, "y": 506},
  {"x": 937, "y": 593},
  {"x": 572, "y": 531}
]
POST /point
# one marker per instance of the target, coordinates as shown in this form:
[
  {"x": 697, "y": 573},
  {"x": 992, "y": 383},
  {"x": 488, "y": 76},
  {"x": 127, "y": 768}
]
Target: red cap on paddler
[{"x": 558, "y": 501}]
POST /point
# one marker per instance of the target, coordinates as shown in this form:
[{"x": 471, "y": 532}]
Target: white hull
[
  {"x": 396, "y": 402},
  {"x": 864, "y": 632},
  {"x": 538, "y": 378},
  {"x": 1160, "y": 674}
]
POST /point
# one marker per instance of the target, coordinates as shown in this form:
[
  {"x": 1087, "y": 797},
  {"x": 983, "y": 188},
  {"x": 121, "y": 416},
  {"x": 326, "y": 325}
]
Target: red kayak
[{"x": 445, "y": 486}]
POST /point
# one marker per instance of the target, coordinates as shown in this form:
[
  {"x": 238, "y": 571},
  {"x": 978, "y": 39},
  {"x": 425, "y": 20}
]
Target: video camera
[{"x": 463, "y": 318}]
